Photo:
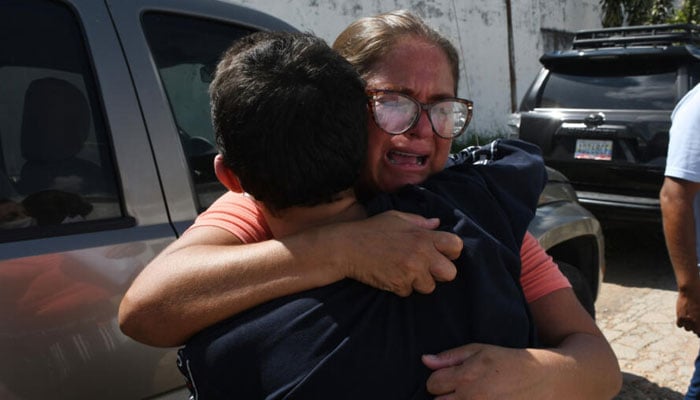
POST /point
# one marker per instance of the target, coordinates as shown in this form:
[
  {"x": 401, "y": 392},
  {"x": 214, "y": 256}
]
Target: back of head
[
  {"x": 290, "y": 117},
  {"x": 365, "y": 41}
]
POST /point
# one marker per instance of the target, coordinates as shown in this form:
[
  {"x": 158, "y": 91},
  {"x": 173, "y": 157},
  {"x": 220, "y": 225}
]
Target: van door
[
  {"x": 172, "y": 53},
  {"x": 81, "y": 208}
]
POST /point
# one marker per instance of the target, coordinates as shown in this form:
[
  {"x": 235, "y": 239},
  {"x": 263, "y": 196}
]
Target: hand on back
[{"x": 400, "y": 253}]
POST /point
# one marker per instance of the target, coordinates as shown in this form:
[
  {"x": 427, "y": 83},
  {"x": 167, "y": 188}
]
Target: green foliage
[
  {"x": 645, "y": 12},
  {"x": 689, "y": 13},
  {"x": 638, "y": 11},
  {"x": 613, "y": 14},
  {"x": 660, "y": 12}
]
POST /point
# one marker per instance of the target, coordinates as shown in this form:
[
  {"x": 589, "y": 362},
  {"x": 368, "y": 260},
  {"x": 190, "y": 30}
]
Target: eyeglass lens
[{"x": 396, "y": 113}]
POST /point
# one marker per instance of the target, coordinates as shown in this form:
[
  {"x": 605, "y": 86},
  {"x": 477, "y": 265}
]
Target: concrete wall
[{"x": 479, "y": 30}]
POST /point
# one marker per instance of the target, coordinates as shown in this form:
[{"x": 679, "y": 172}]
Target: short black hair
[{"x": 290, "y": 117}]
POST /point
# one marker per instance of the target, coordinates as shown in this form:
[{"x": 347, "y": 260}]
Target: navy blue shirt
[{"x": 349, "y": 340}]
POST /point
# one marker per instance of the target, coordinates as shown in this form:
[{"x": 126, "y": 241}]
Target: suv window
[
  {"x": 56, "y": 164},
  {"x": 648, "y": 89},
  {"x": 186, "y": 51}
]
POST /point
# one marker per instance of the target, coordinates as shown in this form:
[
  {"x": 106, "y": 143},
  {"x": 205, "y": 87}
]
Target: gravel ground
[{"x": 636, "y": 311}]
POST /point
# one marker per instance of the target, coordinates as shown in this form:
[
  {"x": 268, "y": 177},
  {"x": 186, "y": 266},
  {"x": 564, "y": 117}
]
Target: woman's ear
[{"x": 226, "y": 176}]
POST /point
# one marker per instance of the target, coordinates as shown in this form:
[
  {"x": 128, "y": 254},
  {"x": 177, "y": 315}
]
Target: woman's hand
[
  {"x": 400, "y": 252},
  {"x": 577, "y": 352},
  {"x": 481, "y": 371}
]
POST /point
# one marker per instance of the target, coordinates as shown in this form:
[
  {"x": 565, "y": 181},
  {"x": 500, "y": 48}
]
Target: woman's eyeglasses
[{"x": 396, "y": 113}]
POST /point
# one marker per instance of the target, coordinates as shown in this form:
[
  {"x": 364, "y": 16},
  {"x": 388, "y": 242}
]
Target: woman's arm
[
  {"x": 576, "y": 351},
  {"x": 208, "y": 274}
]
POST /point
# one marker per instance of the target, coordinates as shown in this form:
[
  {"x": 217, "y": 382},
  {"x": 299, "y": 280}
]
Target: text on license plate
[{"x": 593, "y": 149}]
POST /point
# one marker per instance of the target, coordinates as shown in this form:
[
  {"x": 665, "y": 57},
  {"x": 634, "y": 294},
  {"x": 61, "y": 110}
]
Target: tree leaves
[{"x": 645, "y": 12}]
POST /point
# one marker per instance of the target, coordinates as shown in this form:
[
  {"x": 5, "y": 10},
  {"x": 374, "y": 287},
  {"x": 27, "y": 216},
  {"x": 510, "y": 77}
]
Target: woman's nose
[{"x": 423, "y": 128}]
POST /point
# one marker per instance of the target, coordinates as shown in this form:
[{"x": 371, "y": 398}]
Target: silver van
[{"x": 106, "y": 152}]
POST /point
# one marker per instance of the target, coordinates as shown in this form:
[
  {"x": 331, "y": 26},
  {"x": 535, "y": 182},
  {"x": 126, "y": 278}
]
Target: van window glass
[
  {"x": 56, "y": 166},
  {"x": 186, "y": 51}
]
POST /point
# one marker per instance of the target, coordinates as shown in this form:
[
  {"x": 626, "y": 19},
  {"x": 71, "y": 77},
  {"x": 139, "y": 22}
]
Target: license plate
[{"x": 593, "y": 149}]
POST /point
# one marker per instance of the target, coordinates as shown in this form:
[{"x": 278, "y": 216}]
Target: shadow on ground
[
  {"x": 635, "y": 387},
  {"x": 639, "y": 257}
]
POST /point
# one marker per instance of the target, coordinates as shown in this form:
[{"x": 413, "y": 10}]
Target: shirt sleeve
[
  {"x": 684, "y": 139},
  {"x": 237, "y": 214},
  {"x": 539, "y": 276}
]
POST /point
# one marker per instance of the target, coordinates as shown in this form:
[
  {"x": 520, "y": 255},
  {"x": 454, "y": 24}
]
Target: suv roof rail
[{"x": 657, "y": 35}]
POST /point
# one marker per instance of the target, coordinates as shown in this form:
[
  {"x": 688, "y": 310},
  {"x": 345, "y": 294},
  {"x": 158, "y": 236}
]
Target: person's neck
[{"x": 296, "y": 219}]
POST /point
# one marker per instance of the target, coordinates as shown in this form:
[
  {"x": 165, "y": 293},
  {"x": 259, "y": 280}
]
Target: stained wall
[{"x": 479, "y": 29}]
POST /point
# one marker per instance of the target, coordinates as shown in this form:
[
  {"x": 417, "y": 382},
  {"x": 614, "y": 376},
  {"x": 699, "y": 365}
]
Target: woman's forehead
[{"x": 413, "y": 66}]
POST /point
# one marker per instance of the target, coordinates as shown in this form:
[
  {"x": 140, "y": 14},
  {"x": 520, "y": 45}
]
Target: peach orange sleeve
[
  {"x": 539, "y": 275},
  {"x": 238, "y": 214}
]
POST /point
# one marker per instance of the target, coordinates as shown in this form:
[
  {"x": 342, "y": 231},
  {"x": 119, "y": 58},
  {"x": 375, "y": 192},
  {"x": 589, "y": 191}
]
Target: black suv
[{"x": 601, "y": 113}]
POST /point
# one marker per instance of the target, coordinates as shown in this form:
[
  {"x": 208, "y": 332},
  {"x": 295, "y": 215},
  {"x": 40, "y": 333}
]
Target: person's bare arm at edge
[
  {"x": 208, "y": 275},
  {"x": 677, "y": 197},
  {"x": 576, "y": 352}
]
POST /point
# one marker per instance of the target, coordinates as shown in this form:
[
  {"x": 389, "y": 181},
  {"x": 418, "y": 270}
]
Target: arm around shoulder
[{"x": 208, "y": 275}]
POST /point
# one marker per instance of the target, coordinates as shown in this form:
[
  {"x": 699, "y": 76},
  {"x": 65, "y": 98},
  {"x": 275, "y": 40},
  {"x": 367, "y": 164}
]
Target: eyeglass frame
[{"x": 422, "y": 107}]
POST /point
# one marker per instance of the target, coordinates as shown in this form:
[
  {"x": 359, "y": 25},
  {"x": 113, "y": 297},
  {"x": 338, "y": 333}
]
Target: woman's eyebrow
[{"x": 410, "y": 92}]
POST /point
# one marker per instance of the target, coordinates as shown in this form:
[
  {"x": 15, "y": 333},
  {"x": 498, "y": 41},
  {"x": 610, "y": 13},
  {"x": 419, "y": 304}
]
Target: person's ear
[{"x": 226, "y": 176}]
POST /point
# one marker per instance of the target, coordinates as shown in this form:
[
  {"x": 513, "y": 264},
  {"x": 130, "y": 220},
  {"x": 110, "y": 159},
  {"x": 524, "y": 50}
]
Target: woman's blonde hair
[{"x": 365, "y": 41}]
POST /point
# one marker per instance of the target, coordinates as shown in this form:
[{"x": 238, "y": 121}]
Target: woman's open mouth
[{"x": 401, "y": 158}]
